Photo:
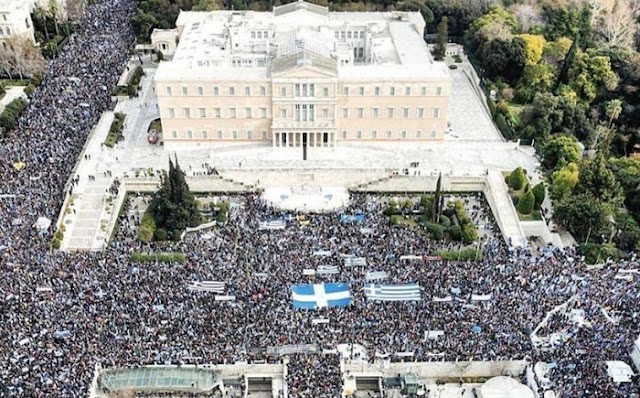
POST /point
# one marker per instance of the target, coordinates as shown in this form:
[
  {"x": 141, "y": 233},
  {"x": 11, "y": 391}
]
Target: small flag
[{"x": 378, "y": 292}]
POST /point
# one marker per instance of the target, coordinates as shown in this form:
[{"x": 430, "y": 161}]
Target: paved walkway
[
  {"x": 11, "y": 94},
  {"x": 505, "y": 215}
]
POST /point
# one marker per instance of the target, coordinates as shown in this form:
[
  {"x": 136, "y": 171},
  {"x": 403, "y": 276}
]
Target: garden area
[
  {"x": 525, "y": 198},
  {"x": 133, "y": 84},
  {"x": 115, "y": 131}
]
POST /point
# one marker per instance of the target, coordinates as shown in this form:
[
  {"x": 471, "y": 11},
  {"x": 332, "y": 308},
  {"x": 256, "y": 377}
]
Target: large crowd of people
[{"x": 64, "y": 313}]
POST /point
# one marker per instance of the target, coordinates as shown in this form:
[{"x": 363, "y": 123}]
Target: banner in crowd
[
  {"x": 481, "y": 297},
  {"x": 328, "y": 270},
  {"x": 375, "y": 275},
  {"x": 322, "y": 253},
  {"x": 355, "y": 261},
  {"x": 272, "y": 224},
  {"x": 225, "y": 298},
  {"x": 447, "y": 299},
  {"x": 351, "y": 218},
  {"x": 408, "y": 257},
  {"x": 292, "y": 349},
  {"x": 379, "y": 292},
  {"x": 320, "y": 295},
  {"x": 207, "y": 286}
]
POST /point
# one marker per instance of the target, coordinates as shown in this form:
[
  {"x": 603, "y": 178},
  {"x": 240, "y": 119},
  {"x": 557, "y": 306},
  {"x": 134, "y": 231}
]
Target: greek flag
[
  {"x": 272, "y": 224},
  {"x": 320, "y": 295},
  {"x": 207, "y": 286},
  {"x": 378, "y": 292}
]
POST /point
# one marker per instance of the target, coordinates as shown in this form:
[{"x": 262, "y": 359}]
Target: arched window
[
  {"x": 1, "y": 31},
  {"x": 8, "y": 31}
]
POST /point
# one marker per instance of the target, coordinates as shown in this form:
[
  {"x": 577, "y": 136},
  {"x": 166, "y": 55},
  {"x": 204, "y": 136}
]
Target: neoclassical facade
[
  {"x": 15, "y": 19},
  {"x": 302, "y": 76}
]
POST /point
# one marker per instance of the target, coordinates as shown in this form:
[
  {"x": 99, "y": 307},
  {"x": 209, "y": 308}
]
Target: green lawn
[
  {"x": 14, "y": 82},
  {"x": 534, "y": 216}
]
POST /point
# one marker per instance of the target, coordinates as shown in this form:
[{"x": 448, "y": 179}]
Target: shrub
[
  {"x": 147, "y": 228},
  {"x": 526, "y": 202},
  {"x": 445, "y": 221},
  {"x": 9, "y": 117},
  {"x": 176, "y": 234},
  {"x": 36, "y": 79},
  {"x": 29, "y": 89},
  {"x": 159, "y": 56},
  {"x": 539, "y": 193},
  {"x": 436, "y": 231},
  {"x": 469, "y": 233},
  {"x": 396, "y": 219},
  {"x": 517, "y": 179},
  {"x": 55, "y": 244},
  {"x": 504, "y": 128},
  {"x": 3, "y": 91},
  {"x": 160, "y": 234},
  {"x": 595, "y": 253},
  {"x": 455, "y": 232},
  {"x": 59, "y": 235}
]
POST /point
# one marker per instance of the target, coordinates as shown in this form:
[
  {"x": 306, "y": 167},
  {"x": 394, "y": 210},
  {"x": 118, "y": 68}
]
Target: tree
[
  {"x": 598, "y": 181},
  {"x": 517, "y": 179},
  {"x": 469, "y": 233},
  {"x": 534, "y": 46},
  {"x": 617, "y": 26},
  {"x": 437, "y": 202},
  {"x": 536, "y": 78},
  {"x": 442, "y": 38},
  {"x": 559, "y": 151},
  {"x": 539, "y": 193},
  {"x": 208, "y": 5},
  {"x": 564, "y": 181},
  {"x": 591, "y": 73},
  {"x": 504, "y": 58},
  {"x": 526, "y": 202},
  {"x": 613, "y": 109},
  {"x": 174, "y": 207},
  {"x": 18, "y": 56},
  {"x": 584, "y": 216},
  {"x": 627, "y": 172}
]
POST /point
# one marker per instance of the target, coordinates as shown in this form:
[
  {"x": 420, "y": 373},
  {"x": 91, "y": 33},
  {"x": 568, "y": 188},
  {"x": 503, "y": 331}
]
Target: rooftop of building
[{"x": 350, "y": 44}]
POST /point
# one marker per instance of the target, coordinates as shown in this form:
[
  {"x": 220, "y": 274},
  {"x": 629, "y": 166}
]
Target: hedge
[
  {"x": 9, "y": 117},
  {"x": 504, "y": 128},
  {"x": 468, "y": 254},
  {"x": 161, "y": 257}
]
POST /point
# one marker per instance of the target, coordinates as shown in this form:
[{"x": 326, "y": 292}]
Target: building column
[
  {"x": 333, "y": 139},
  {"x": 273, "y": 139}
]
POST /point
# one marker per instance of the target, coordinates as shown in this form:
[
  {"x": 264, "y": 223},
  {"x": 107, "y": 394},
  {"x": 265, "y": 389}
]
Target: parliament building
[{"x": 300, "y": 76}]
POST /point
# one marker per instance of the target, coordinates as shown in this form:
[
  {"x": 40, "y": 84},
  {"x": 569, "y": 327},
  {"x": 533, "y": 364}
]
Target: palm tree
[{"x": 613, "y": 109}]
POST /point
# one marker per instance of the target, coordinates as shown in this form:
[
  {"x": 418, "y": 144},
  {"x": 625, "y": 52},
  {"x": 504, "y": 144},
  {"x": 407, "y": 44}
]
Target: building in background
[
  {"x": 301, "y": 76},
  {"x": 15, "y": 19}
]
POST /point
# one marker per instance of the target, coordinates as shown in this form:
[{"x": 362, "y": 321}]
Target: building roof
[
  {"x": 159, "y": 378},
  {"x": 505, "y": 387},
  {"x": 248, "y": 44}
]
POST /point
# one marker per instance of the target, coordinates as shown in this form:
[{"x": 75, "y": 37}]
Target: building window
[
  {"x": 234, "y": 134},
  {"x": 419, "y": 134},
  {"x": 202, "y": 112},
  {"x": 439, "y": 91},
  {"x": 361, "y": 90},
  {"x": 296, "y": 113},
  {"x": 174, "y": 134},
  {"x": 312, "y": 113},
  {"x": 247, "y": 113},
  {"x": 377, "y": 91},
  {"x": 263, "y": 90},
  {"x": 405, "y": 112},
  {"x": 283, "y": 113},
  {"x": 249, "y": 134},
  {"x": 392, "y": 91},
  {"x": 264, "y": 134},
  {"x": 389, "y": 112},
  {"x": 216, "y": 90},
  {"x": 345, "y": 112},
  {"x": 172, "y": 113},
  {"x": 283, "y": 91},
  {"x": 359, "y": 135},
  {"x": 388, "y": 134},
  {"x": 344, "y": 134},
  {"x": 217, "y": 113},
  {"x": 219, "y": 134},
  {"x": 325, "y": 113},
  {"x": 325, "y": 91},
  {"x": 204, "y": 134},
  {"x": 424, "y": 91},
  {"x": 232, "y": 91},
  {"x": 200, "y": 91},
  {"x": 232, "y": 113},
  {"x": 407, "y": 91},
  {"x": 263, "y": 113},
  {"x": 420, "y": 112},
  {"x": 348, "y": 34},
  {"x": 433, "y": 134},
  {"x": 247, "y": 90},
  {"x": 168, "y": 90},
  {"x": 374, "y": 134},
  {"x": 184, "y": 90},
  {"x": 345, "y": 90},
  {"x": 360, "y": 113},
  {"x": 404, "y": 134},
  {"x": 436, "y": 112},
  {"x": 312, "y": 90},
  {"x": 186, "y": 112},
  {"x": 375, "y": 112},
  {"x": 189, "y": 134}
]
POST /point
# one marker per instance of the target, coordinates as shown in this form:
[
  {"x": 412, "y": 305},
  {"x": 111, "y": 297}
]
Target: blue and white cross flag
[
  {"x": 406, "y": 292},
  {"x": 320, "y": 295}
]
